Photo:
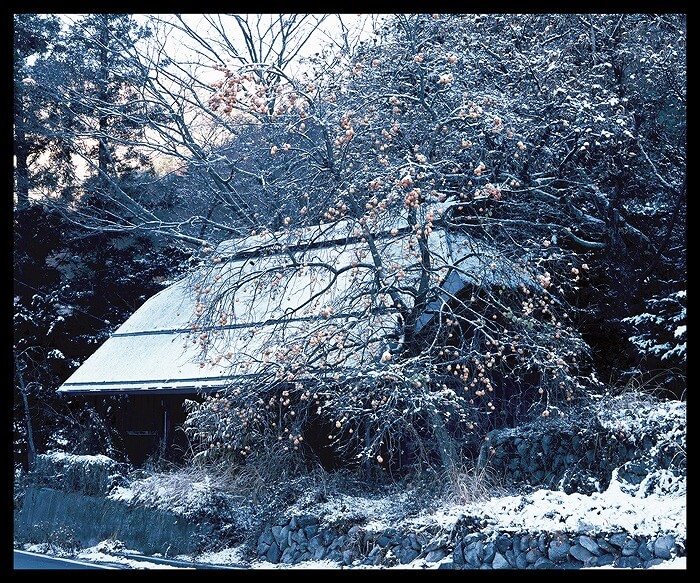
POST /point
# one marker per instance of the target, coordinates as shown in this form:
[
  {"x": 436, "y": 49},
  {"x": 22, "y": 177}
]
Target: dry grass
[{"x": 467, "y": 483}]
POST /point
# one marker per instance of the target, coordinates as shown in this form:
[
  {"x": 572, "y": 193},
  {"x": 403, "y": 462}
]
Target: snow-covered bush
[
  {"x": 89, "y": 474},
  {"x": 659, "y": 334}
]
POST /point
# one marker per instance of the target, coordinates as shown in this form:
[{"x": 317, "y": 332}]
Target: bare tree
[{"x": 171, "y": 100}]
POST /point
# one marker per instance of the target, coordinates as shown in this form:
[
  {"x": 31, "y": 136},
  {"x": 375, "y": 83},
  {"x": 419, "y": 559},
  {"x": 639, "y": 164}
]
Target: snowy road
[{"x": 32, "y": 561}]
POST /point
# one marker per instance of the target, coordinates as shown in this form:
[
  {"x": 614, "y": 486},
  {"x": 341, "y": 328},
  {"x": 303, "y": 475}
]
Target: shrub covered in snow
[
  {"x": 659, "y": 335},
  {"x": 88, "y": 474}
]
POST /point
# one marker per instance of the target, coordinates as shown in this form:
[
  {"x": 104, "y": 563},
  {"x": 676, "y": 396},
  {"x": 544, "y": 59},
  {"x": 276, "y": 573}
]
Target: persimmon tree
[
  {"x": 600, "y": 102},
  {"x": 395, "y": 147}
]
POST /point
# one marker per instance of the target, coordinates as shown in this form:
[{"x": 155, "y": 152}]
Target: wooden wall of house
[{"x": 149, "y": 425}]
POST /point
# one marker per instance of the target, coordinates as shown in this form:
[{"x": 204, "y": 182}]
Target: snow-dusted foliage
[
  {"x": 188, "y": 493},
  {"x": 646, "y": 517},
  {"x": 89, "y": 474},
  {"x": 661, "y": 330}
]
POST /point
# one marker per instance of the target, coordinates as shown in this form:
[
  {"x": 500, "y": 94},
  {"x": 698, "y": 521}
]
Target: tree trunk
[
  {"x": 443, "y": 441},
  {"x": 31, "y": 453},
  {"x": 367, "y": 463},
  {"x": 103, "y": 155},
  {"x": 21, "y": 151},
  {"x": 22, "y": 172}
]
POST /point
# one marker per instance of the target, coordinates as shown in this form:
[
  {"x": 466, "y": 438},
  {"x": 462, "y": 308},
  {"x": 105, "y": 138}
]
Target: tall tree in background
[
  {"x": 80, "y": 104},
  {"x": 34, "y": 36},
  {"x": 99, "y": 90}
]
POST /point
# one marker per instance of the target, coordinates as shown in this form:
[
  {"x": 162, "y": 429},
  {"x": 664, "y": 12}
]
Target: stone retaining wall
[
  {"x": 301, "y": 539},
  {"x": 573, "y": 457},
  {"x": 577, "y": 457}
]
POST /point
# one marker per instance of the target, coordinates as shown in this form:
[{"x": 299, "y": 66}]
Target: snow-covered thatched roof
[{"x": 269, "y": 308}]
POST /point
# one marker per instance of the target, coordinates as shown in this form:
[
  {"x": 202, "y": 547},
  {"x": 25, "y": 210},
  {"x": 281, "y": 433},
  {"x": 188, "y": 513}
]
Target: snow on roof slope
[{"x": 297, "y": 286}]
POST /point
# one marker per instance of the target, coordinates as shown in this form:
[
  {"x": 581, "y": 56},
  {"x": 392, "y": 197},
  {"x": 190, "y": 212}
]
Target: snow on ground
[
  {"x": 83, "y": 460},
  {"x": 616, "y": 509},
  {"x": 375, "y": 513},
  {"x": 230, "y": 556},
  {"x": 99, "y": 557},
  {"x": 108, "y": 552},
  {"x": 303, "y": 565},
  {"x": 637, "y": 415},
  {"x": 124, "y": 494},
  {"x": 677, "y": 563},
  {"x": 186, "y": 493},
  {"x": 316, "y": 565},
  {"x": 100, "y": 553},
  {"x": 655, "y": 507}
]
